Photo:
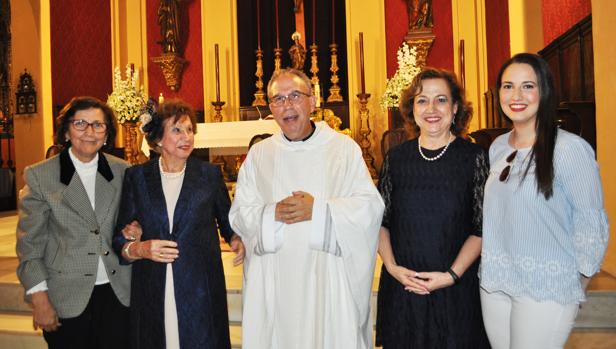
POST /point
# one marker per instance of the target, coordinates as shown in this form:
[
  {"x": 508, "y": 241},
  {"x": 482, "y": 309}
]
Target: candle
[
  {"x": 333, "y": 21},
  {"x": 259, "y": 24},
  {"x": 217, "y": 74},
  {"x": 161, "y": 99},
  {"x": 277, "y": 29},
  {"x": 314, "y": 22},
  {"x": 317, "y": 94},
  {"x": 361, "y": 62}
]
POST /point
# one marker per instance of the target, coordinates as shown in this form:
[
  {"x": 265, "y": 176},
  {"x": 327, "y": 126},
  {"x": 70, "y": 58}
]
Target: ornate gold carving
[
  {"x": 260, "y": 94},
  {"x": 422, "y": 43},
  {"x": 172, "y": 66},
  {"x": 314, "y": 64},
  {"x": 364, "y": 132},
  {"x": 132, "y": 143},
  {"x": 217, "y": 111},
  {"x": 277, "y": 59},
  {"x": 334, "y": 91},
  {"x": 331, "y": 119}
]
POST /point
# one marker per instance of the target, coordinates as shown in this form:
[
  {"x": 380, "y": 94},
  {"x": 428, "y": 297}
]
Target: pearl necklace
[
  {"x": 170, "y": 174},
  {"x": 439, "y": 155}
]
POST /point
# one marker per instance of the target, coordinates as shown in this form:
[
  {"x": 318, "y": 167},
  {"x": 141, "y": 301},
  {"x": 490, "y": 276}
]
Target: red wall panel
[
  {"x": 560, "y": 15},
  {"x": 396, "y": 27},
  {"x": 80, "y": 49},
  {"x": 191, "y": 89},
  {"x": 497, "y": 36}
]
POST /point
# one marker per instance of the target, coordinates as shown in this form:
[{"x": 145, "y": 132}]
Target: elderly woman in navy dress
[{"x": 172, "y": 208}]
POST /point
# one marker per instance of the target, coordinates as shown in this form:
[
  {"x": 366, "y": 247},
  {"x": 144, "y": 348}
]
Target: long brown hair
[{"x": 545, "y": 126}]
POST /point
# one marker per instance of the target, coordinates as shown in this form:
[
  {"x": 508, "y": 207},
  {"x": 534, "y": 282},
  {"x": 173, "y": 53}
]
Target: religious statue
[
  {"x": 420, "y": 15},
  {"x": 297, "y": 52},
  {"x": 169, "y": 22}
]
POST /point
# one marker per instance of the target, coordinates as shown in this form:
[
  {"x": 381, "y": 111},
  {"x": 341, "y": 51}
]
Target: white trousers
[{"x": 524, "y": 323}]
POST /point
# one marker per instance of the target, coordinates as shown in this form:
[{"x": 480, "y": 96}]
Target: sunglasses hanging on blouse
[{"x": 504, "y": 176}]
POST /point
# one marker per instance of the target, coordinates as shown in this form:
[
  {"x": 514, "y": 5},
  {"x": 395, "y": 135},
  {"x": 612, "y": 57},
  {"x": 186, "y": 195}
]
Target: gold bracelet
[{"x": 126, "y": 250}]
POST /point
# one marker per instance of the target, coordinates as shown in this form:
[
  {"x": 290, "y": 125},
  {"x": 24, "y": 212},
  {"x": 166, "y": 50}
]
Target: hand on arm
[
  {"x": 132, "y": 231},
  {"x": 467, "y": 256},
  {"x": 405, "y": 276},
  {"x": 295, "y": 208},
  {"x": 237, "y": 246},
  {"x": 43, "y": 313},
  {"x": 162, "y": 251}
]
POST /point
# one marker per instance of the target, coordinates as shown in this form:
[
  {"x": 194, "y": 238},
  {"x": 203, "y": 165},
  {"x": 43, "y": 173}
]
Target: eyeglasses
[
  {"x": 294, "y": 98},
  {"x": 82, "y": 125},
  {"x": 504, "y": 176}
]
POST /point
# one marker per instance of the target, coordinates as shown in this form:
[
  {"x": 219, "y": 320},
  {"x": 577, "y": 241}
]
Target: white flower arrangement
[
  {"x": 127, "y": 98},
  {"x": 407, "y": 69}
]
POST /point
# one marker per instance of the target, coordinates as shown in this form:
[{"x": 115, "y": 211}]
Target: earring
[{"x": 159, "y": 144}]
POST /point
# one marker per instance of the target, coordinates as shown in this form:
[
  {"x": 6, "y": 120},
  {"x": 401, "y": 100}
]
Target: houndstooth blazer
[{"x": 60, "y": 237}]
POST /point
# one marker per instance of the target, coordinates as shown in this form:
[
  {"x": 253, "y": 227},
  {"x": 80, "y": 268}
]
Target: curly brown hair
[
  {"x": 172, "y": 109},
  {"x": 461, "y": 117}
]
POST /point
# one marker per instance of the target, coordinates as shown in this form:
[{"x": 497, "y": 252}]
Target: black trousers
[{"x": 102, "y": 325}]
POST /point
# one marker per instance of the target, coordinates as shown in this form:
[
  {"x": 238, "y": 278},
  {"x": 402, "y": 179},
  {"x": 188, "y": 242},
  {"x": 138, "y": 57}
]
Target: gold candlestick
[
  {"x": 219, "y": 160},
  {"x": 314, "y": 66},
  {"x": 217, "y": 110},
  {"x": 334, "y": 91},
  {"x": 277, "y": 59},
  {"x": 260, "y": 94},
  {"x": 364, "y": 132}
]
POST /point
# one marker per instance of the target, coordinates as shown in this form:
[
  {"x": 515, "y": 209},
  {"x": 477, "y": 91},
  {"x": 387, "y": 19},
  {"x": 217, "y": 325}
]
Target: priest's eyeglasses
[
  {"x": 504, "y": 176},
  {"x": 82, "y": 125},
  {"x": 294, "y": 98}
]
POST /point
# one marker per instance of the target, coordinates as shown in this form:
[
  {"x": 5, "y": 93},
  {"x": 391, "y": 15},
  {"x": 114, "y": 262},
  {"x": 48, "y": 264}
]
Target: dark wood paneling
[
  {"x": 570, "y": 57},
  {"x": 588, "y": 64}
]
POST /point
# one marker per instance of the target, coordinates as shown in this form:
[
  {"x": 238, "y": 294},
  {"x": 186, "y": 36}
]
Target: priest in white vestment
[{"x": 309, "y": 215}]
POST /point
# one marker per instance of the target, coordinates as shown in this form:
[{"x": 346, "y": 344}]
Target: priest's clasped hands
[{"x": 295, "y": 208}]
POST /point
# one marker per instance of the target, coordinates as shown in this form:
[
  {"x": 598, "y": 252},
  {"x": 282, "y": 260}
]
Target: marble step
[{"x": 16, "y": 332}]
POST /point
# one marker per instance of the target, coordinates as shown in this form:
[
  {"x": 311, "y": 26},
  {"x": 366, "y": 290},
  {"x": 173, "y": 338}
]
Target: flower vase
[{"x": 132, "y": 146}]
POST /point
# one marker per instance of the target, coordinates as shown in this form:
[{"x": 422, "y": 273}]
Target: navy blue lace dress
[{"x": 432, "y": 207}]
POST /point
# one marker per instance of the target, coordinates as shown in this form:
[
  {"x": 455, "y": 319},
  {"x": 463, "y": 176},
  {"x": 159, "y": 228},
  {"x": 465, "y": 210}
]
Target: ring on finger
[{"x": 160, "y": 255}]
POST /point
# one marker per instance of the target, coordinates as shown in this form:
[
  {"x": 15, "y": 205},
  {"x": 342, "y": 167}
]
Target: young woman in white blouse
[{"x": 545, "y": 229}]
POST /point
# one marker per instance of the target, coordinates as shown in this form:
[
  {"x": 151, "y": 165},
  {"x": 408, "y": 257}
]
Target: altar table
[{"x": 227, "y": 138}]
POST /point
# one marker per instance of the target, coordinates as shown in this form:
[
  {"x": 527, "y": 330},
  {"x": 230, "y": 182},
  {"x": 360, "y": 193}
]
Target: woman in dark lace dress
[{"x": 431, "y": 234}]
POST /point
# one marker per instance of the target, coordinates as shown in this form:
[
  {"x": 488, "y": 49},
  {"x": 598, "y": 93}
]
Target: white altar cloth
[{"x": 227, "y": 138}]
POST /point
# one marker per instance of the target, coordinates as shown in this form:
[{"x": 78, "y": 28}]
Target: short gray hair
[{"x": 289, "y": 71}]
